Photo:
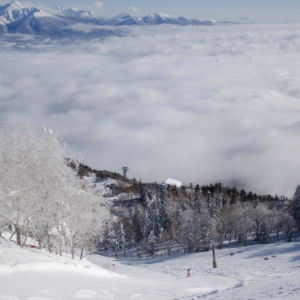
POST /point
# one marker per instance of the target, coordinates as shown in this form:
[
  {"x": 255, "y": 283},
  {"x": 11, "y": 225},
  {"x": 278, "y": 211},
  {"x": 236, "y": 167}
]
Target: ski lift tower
[{"x": 125, "y": 170}]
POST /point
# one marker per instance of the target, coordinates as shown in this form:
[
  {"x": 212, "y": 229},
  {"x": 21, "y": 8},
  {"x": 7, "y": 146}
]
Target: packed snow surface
[{"x": 243, "y": 275}]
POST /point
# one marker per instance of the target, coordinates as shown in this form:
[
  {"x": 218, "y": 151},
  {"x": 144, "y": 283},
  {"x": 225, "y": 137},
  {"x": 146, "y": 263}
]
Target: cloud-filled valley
[{"x": 197, "y": 104}]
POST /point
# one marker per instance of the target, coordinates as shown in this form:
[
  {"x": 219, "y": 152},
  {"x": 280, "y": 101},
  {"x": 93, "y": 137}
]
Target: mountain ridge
[{"x": 16, "y": 17}]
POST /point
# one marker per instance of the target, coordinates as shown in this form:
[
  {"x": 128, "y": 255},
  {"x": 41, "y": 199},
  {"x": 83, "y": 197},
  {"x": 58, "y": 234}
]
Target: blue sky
[{"x": 230, "y": 10}]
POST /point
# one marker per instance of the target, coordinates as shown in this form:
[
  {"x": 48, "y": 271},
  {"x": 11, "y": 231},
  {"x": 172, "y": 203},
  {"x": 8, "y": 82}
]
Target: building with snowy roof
[{"x": 170, "y": 181}]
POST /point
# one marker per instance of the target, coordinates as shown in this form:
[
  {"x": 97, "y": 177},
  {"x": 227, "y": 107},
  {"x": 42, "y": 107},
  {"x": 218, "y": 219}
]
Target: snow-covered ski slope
[{"x": 243, "y": 275}]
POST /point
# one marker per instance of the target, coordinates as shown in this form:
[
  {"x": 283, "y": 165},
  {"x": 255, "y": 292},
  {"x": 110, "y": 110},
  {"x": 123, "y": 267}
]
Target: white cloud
[
  {"x": 99, "y": 4},
  {"x": 197, "y": 104},
  {"x": 134, "y": 8}
]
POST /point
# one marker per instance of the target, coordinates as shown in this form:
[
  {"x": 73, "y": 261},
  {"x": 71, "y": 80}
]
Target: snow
[
  {"x": 165, "y": 16},
  {"x": 42, "y": 14},
  {"x": 172, "y": 182},
  {"x": 15, "y": 5},
  {"x": 243, "y": 275},
  {"x": 76, "y": 13}
]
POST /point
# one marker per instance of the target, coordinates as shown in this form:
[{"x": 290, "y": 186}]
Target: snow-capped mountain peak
[
  {"x": 15, "y": 5},
  {"x": 123, "y": 15},
  {"x": 76, "y": 13},
  {"x": 164, "y": 16},
  {"x": 15, "y": 11}
]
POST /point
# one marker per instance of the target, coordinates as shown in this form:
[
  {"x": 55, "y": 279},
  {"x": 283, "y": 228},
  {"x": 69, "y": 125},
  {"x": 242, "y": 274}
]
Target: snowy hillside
[{"x": 243, "y": 275}]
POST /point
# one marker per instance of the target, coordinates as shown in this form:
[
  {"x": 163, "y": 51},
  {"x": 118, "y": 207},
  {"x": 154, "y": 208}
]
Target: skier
[{"x": 188, "y": 273}]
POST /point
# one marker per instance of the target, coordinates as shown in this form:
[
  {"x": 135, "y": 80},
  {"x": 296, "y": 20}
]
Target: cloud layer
[{"x": 197, "y": 104}]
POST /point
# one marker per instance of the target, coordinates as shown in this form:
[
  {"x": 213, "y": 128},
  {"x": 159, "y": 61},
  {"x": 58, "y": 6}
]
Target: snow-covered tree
[
  {"x": 262, "y": 223},
  {"x": 87, "y": 213},
  {"x": 197, "y": 205},
  {"x": 108, "y": 234},
  {"x": 40, "y": 193},
  {"x": 151, "y": 244},
  {"x": 147, "y": 195},
  {"x": 30, "y": 165}
]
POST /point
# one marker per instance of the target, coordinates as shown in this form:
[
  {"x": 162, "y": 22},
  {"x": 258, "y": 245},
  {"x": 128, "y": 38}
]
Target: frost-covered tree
[
  {"x": 282, "y": 203},
  {"x": 87, "y": 213},
  {"x": 30, "y": 165},
  {"x": 125, "y": 217},
  {"x": 40, "y": 193},
  {"x": 108, "y": 234},
  {"x": 242, "y": 215},
  {"x": 262, "y": 223},
  {"x": 151, "y": 244},
  {"x": 147, "y": 195}
]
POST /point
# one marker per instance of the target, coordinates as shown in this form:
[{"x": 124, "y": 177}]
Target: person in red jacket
[{"x": 188, "y": 273}]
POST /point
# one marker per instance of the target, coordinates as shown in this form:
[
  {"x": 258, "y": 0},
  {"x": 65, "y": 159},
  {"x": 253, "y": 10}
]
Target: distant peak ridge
[{"x": 16, "y": 17}]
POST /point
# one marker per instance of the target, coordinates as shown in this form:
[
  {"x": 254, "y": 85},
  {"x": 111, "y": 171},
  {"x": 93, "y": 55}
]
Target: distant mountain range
[{"x": 16, "y": 17}]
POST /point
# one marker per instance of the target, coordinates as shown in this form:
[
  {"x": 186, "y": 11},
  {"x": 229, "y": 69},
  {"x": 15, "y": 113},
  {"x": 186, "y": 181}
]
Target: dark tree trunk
[
  {"x": 81, "y": 252},
  {"x": 19, "y": 233}
]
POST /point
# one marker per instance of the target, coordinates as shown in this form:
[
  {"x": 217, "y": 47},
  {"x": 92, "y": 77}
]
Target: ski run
[{"x": 268, "y": 271}]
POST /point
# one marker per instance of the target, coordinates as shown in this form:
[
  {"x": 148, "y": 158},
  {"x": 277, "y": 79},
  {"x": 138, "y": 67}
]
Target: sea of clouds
[{"x": 197, "y": 104}]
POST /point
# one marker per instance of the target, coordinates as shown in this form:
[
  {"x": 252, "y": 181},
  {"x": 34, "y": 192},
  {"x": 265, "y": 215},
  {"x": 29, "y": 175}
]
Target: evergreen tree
[
  {"x": 296, "y": 206},
  {"x": 289, "y": 229},
  {"x": 197, "y": 205},
  {"x": 147, "y": 195},
  {"x": 184, "y": 206},
  {"x": 154, "y": 220},
  {"x": 189, "y": 235},
  {"x": 281, "y": 203},
  {"x": 138, "y": 217},
  {"x": 120, "y": 237},
  {"x": 265, "y": 237},
  {"x": 213, "y": 206},
  {"x": 165, "y": 210},
  {"x": 205, "y": 229}
]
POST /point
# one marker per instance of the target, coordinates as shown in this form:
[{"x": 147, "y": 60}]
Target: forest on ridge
[{"x": 47, "y": 195}]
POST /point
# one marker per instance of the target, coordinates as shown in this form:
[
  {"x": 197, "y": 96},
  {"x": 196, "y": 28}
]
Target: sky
[
  {"x": 266, "y": 11},
  {"x": 200, "y": 104}
]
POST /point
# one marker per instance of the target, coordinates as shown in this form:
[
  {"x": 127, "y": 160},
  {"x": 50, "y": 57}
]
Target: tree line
[
  {"x": 45, "y": 196},
  {"x": 195, "y": 217}
]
